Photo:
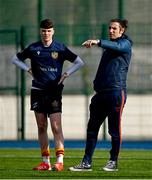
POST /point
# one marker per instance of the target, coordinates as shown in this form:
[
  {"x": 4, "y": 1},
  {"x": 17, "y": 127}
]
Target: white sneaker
[
  {"x": 81, "y": 167},
  {"x": 110, "y": 166}
]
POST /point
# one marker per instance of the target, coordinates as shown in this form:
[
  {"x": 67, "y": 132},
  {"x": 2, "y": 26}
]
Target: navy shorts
[{"x": 47, "y": 101}]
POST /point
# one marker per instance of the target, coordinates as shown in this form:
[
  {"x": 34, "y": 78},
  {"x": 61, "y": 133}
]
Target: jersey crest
[{"x": 54, "y": 55}]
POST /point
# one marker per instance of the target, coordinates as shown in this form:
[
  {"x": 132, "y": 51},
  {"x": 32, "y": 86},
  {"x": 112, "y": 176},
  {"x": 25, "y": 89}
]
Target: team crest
[{"x": 54, "y": 55}]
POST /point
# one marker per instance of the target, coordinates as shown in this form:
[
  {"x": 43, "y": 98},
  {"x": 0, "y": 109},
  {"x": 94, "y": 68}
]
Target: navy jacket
[{"x": 114, "y": 64}]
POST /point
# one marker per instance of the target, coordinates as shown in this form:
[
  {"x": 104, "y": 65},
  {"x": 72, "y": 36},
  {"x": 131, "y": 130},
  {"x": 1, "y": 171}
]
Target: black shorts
[{"x": 47, "y": 101}]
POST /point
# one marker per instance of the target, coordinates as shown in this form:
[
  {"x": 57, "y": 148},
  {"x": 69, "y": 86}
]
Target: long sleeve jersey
[
  {"x": 114, "y": 64},
  {"x": 47, "y": 62}
]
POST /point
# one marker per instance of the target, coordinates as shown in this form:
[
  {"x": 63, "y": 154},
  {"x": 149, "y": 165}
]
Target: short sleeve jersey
[{"x": 46, "y": 62}]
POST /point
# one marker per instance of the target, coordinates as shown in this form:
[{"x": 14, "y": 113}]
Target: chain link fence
[{"x": 75, "y": 21}]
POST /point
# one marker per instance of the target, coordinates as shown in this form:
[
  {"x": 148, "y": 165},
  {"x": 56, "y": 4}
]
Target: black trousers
[{"x": 105, "y": 104}]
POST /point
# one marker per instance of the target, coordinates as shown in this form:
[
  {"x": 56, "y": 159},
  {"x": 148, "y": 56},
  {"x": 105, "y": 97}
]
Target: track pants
[{"x": 105, "y": 104}]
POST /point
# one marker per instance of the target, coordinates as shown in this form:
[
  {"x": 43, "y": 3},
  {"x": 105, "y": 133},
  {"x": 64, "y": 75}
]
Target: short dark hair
[
  {"x": 46, "y": 24},
  {"x": 123, "y": 22}
]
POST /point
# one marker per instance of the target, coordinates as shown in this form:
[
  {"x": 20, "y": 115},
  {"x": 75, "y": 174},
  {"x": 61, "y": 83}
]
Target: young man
[
  {"x": 110, "y": 97},
  {"x": 47, "y": 57}
]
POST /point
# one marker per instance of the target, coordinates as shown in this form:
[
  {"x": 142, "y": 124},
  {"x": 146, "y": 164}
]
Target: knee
[
  {"x": 42, "y": 128},
  {"x": 56, "y": 129},
  {"x": 115, "y": 135},
  {"x": 92, "y": 130},
  {"x": 92, "y": 134}
]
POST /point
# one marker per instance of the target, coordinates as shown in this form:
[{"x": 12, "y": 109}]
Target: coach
[{"x": 110, "y": 97}]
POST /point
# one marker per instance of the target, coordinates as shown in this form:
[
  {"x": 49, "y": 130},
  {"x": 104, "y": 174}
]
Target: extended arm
[
  {"x": 122, "y": 45},
  {"x": 78, "y": 63}
]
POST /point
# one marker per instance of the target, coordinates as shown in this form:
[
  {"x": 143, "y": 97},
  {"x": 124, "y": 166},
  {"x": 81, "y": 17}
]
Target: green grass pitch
[{"x": 18, "y": 164}]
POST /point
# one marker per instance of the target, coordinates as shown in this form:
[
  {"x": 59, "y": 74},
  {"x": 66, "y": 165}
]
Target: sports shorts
[{"x": 47, "y": 101}]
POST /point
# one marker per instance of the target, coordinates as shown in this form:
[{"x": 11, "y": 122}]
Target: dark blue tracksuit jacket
[{"x": 113, "y": 67}]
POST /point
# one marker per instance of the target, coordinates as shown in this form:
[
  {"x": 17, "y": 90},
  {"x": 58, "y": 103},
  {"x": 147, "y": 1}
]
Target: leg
[
  {"x": 114, "y": 123},
  {"x": 96, "y": 119},
  {"x": 41, "y": 118},
  {"x": 56, "y": 126},
  {"x": 42, "y": 124}
]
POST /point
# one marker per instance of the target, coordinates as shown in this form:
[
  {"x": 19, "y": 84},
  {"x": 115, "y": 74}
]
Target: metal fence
[{"x": 75, "y": 21}]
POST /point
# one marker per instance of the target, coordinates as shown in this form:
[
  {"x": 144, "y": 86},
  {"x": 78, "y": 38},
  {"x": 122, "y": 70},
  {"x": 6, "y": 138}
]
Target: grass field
[{"x": 17, "y": 164}]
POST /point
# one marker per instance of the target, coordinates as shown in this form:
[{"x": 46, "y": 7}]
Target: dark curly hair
[{"x": 123, "y": 22}]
